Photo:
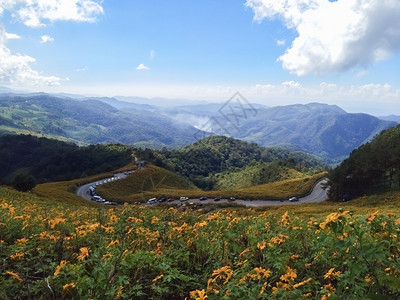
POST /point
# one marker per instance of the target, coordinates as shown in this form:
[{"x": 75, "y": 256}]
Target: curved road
[
  {"x": 318, "y": 194},
  {"x": 83, "y": 190}
]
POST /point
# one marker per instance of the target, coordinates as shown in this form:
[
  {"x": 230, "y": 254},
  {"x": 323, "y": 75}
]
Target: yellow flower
[
  {"x": 119, "y": 292},
  {"x": 285, "y": 219},
  {"x": 17, "y": 255},
  {"x": 15, "y": 276},
  {"x": 223, "y": 273},
  {"x": 107, "y": 256},
  {"x": 112, "y": 243},
  {"x": 154, "y": 220},
  {"x": 158, "y": 277},
  {"x": 371, "y": 217},
  {"x": 262, "y": 273},
  {"x": 244, "y": 252},
  {"x": 198, "y": 294},
  {"x": 56, "y": 221},
  {"x": 302, "y": 283},
  {"x": 67, "y": 287},
  {"x": 331, "y": 275},
  {"x": 290, "y": 275},
  {"x": 59, "y": 267},
  {"x": 84, "y": 253},
  {"x": 261, "y": 246}
]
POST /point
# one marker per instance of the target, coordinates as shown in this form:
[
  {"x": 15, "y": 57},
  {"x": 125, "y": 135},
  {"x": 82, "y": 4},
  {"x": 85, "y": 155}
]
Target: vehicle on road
[
  {"x": 293, "y": 199},
  {"x": 170, "y": 199},
  {"x": 152, "y": 201},
  {"x": 217, "y": 199},
  {"x": 231, "y": 199},
  {"x": 183, "y": 198},
  {"x": 203, "y": 198},
  {"x": 162, "y": 199},
  {"x": 110, "y": 203}
]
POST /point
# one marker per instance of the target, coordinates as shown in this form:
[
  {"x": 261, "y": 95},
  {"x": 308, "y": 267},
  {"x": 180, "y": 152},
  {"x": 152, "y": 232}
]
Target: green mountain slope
[
  {"x": 53, "y": 160},
  {"x": 217, "y": 154},
  {"x": 89, "y": 121},
  {"x": 373, "y": 167}
]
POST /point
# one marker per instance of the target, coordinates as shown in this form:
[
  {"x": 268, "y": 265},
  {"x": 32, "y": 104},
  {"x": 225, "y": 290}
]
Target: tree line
[
  {"x": 373, "y": 167},
  {"x": 51, "y": 160}
]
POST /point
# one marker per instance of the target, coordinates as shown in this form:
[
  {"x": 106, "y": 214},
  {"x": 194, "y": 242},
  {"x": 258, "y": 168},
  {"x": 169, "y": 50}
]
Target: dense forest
[
  {"x": 217, "y": 154},
  {"x": 53, "y": 160},
  {"x": 373, "y": 167}
]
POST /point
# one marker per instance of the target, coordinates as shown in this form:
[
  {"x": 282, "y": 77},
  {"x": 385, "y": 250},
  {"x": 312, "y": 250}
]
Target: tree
[{"x": 23, "y": 182}]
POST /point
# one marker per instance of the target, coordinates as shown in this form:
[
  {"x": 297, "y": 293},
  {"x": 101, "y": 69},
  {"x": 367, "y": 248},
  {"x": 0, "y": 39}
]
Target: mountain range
[{"x": 324, "y": 130}]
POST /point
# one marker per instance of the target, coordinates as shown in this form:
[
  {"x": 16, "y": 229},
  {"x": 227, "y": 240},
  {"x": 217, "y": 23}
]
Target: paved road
[
  {"x": 83, "y": 191},
  {"x": 318, "y": 194}
]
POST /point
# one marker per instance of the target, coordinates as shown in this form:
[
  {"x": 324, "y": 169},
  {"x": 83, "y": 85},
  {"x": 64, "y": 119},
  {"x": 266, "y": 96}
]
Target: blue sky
[{"x": 273, "y": 52}]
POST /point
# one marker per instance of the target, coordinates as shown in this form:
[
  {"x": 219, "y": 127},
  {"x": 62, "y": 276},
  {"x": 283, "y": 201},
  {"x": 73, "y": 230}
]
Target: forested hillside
[
  {"x": 52, "y": 160},
  {"x": 207, "y": 157},
  {"x": 89, "y": 121},
  {"x": 371, "y": 168}
]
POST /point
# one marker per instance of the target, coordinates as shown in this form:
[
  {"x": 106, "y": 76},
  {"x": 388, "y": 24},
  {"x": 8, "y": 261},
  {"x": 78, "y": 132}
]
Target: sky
[{"x": 274, "y": 52}]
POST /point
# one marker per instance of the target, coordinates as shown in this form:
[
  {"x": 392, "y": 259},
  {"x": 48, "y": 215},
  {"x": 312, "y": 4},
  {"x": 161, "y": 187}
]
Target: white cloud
[
  {"x": 152, "y": 54},
  {"x": 15, "y": 69},
  {"x": 281, "y": 42},
  {"x": 32, "y": 12},
  {"x": 142, "y": 67},
  {"x": 334, "y": 36},
  {"x": 45, "y": 39},
  {"x": 12, "y": 36},
  {"x": 84, "y": 69}
]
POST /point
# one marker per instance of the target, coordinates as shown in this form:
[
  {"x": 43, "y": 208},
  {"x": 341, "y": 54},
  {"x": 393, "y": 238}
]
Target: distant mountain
[
  {"x": 89, "y": 121},
  {"x": 393, "y": 118},
  {"x": 324, "y": 130},
  {"x": 321, "y": 129}
]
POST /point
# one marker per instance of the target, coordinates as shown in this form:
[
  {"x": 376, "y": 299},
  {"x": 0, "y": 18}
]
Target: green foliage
[
  {"x": 23, "y": 182},
  {"x": 256, "y": 174},
  {"x": 52, "y": 160},
  {"x": 217, "y": 154},
  {"x": 373, "y": 167}
]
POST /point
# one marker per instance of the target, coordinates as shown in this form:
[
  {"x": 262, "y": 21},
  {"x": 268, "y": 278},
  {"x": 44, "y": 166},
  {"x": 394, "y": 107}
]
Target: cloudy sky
[{"x": 274, "y": 52}]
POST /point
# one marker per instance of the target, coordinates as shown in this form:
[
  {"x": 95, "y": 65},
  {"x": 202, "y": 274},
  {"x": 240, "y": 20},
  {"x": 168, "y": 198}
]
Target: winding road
[{"x": 318, "y": 194}]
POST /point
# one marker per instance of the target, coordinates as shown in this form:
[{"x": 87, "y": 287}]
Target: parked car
[
  {"x": 170, "y": 199},
  {"x": 110, "y": 203},
  {"x": 162, "y": 199},
  {"x": 217, "y": 199},
  {"x": 293, "y": 199},
  {"x": 95, "y": 198},
  {"x": 152, "y": 201},
  {"x": 183, "y": 198},
  {"x": 231, "y": 199},
  {"x": 203, "y": 198}
]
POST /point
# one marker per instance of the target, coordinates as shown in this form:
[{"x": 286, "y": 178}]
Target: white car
[
  {"x": 183, "y": 198},
  {"x": 294, "y": 199},
  {"x": 152, "y": 201}
]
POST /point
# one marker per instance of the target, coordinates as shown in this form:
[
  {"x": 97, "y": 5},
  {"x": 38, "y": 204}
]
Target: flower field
[{"x": 56, "y": 250}]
